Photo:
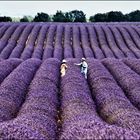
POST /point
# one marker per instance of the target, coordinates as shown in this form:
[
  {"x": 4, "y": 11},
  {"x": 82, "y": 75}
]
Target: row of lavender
[
  {"x": 29, "y": 99},
  {"x": 37, "y": 104},
  {"x": 45, "y": 40}
]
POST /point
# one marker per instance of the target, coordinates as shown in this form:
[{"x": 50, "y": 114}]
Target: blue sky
[{"x": 21, "y": 8}]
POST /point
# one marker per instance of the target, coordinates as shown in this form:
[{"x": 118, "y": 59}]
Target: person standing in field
[
  {"x": 84, "y": 67},
  {"x": 63, "y": 68}
]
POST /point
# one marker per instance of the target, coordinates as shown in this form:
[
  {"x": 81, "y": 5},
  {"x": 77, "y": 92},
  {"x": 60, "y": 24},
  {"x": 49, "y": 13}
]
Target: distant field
[{"x": 55, "y": 40}]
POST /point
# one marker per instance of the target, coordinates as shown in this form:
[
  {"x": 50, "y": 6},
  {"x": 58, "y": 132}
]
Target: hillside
[{"x": 37, "y": 103}]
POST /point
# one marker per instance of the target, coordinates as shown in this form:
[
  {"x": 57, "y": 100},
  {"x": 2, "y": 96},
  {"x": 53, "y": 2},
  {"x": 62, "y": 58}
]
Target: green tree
[
  {"x": 98, "y": 18},
  {"x": 59, "y": 17},
  {"x": 91, "y": 19},
  {"x": 134, "y": 16},
  {"x": 115, "y": 16},
  {"x": 5, "y": 19},
  {"x": 68, "y": 17},
  {"x": 24, "y": 19},
  {"x": 42, "y": 17},
  {"x": 77, "y": 16}
]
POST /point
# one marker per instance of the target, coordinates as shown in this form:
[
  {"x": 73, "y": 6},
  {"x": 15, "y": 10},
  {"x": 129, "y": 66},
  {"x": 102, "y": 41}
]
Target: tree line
[{"x": 79, "y": 16}]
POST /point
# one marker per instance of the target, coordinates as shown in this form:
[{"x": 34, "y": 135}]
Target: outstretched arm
[{"x": 77, "y": 64}]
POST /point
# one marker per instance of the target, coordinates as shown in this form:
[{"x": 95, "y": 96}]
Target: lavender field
[
  {"x": 37, "y": 103},
  {"x": 59, "y": 40}
]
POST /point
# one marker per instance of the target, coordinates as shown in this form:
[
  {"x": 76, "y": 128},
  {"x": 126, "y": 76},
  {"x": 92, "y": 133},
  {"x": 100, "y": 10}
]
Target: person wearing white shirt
[{"x": 84, "y": 67}]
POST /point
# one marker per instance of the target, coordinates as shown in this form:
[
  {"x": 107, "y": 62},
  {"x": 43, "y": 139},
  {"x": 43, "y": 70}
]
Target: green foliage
[
  {"x": 42, "y": 17},
  {"x": 59, "y": 17},
  {"x": 68, "y": 17},
  {"x": 5, "y": 19},
  {"x": 73, "y": 16},
  {"x": 134, "y": 16},
  {"x": 114, "y": 16},
  {"x": 24, "y": 19},
  {"x": 77, "y": 16},
  {"x": 98, "y": 18}
]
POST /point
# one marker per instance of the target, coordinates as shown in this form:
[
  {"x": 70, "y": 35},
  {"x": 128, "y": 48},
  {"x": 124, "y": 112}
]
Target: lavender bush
[
  {"x": 103, "y": 44},
  {"x": 94, "y": 43},
  {"x": 85, "y": 42},
  {"x": 68, "y": 51},
  {"x": 27, "y": 52},
  {"x": 13, "y": 88},
  {"x": 7, "y": 66},
  {"x": 49, "y": 47},
  {"x": 38, "y": 51},
  {"x": 21, "y": 42},
  {"x": 111, "y": 101},
  {"x": 37, "y": 117},
  {"x": 12, "y": 42},
  {"x": 127, "y": 79},
  {"x": 129, "y": 42},
  {"x": 79, "y": 117},
  {"x": 111, "y": 42},
  {"x": 120, "y": 42}
]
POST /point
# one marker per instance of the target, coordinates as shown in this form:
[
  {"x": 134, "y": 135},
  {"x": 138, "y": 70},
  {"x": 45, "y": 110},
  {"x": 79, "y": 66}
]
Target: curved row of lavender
[
  {"x": 127, "y": 78},
  {"x": 80, "y": 119},
  {"x": 37, "y": 118},
  {"x": 112, "y": 103},
  {"x": 65, "y": 40},
  {"x": 14, "y": 87},
  {"x": 37, "y": 104}
]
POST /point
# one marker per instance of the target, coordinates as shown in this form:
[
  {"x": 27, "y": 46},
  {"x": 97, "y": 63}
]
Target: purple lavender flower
[
  {"x": 127, "y": 79},
  {"x": 13, "y": 88},
  {"x": 79, "y": 117}
]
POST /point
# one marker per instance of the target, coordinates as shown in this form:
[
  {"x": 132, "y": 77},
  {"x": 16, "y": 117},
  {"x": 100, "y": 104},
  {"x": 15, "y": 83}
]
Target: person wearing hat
[
  {"x": 63, "y": 68},
  {"x": 84, "y": 67}
]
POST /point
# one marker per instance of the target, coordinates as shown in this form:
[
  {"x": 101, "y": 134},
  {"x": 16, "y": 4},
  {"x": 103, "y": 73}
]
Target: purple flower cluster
[
  {"x": 3, "y": 29},
  {"x": 79, "y": 117},
  {"x": 6, "y": 36},
  {"x": 35, "y": 103},
  {"x": 49, "y": 46},
  {"x": 65, "y": 40},
  {"x": 37, "y": 117},
  {"x": 78, "y": 53},
  {"x": 131, "y": 45},
  {"x": 94, "y": 43},
  {"x": 58, "y": 49},
  {"x": 16, "y": 53},
  {"x": 7, "y": 66},
  {"x": 111, "y": 101},
  {"x": 27, "y": 52},
  {"x": 127, "y": 79},
  {"x": 120, "y": 42},
  {"x": 112, "y": 44},
  {"x": 85, "y": 42},
  {"x": 134, "y": 35},
  {"x": 38, "y": 51},
  {"x": 134, "y": 64},
  {"x": 103, "y": 44},
  {"x": 13, "y": 88},
  {"x": 68, "y": 52},
  {"x": 12, "y": 42},
  {"x": 136, "y": 29}
]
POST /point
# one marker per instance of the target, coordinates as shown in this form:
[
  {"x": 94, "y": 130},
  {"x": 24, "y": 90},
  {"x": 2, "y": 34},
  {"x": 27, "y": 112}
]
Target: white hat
[
  {"x": 83, "y": 59},
  {"x": 64, "y": 61}
]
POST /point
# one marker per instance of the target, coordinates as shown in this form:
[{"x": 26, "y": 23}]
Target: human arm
[{"x": 78, "y": 64}]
